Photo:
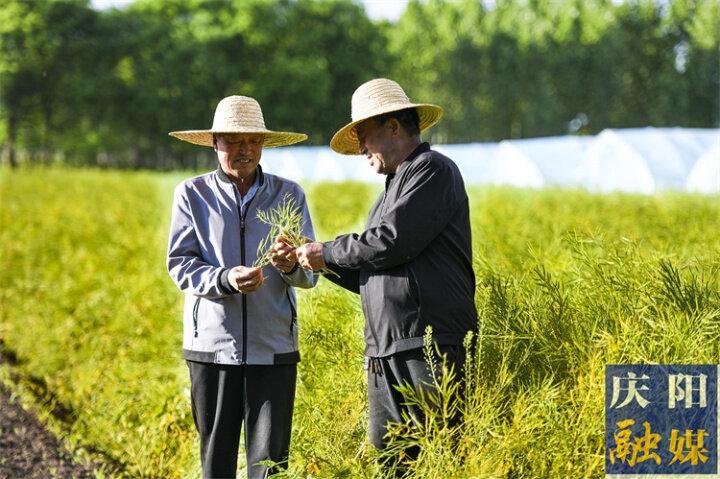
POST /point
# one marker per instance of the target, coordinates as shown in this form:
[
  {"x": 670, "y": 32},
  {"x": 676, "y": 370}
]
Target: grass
[
  {"x": 567, "y": 282},
  {"x": 88, "y": 308}
]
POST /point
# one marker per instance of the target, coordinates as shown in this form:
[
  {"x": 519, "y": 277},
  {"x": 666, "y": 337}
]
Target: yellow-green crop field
[{"x": 567, "y": 282}]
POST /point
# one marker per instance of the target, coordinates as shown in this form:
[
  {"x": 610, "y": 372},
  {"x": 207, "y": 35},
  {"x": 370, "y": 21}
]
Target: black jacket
[{"x": 413, "y": 263}]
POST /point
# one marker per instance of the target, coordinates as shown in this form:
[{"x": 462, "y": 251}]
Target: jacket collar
[
  {"x": 420, "y": 149},
  {"x": 223, "y": 177}
]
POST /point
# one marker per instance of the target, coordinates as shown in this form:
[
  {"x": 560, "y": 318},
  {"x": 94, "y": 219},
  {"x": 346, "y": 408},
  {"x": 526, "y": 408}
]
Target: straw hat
[
  {"x": 375, "y": 98},
  {"x": 239, "y": 114}
]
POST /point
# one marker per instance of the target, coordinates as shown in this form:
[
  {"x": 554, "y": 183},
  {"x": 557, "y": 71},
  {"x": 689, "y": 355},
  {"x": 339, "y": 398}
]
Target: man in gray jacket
[
  {"x": 240, "y": 334},
  {"x": 412, "y": 266}
]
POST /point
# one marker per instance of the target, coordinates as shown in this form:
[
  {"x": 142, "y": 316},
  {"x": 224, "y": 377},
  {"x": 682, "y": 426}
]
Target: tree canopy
[{"x": 82, "y": 86}]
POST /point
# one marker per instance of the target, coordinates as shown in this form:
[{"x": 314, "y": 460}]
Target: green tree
[
  {"x": 44, "y": 53},
  {"x": 22, "y": 29},
  {"x": 105, "y": 87},
  {"x": 437, "y": 59},
  {"x": 310, "y": 66}
]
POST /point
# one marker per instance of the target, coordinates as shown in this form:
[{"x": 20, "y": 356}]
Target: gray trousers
[
  {"x": 385, "y": 403},
  {"x": 224, "y": 397}
]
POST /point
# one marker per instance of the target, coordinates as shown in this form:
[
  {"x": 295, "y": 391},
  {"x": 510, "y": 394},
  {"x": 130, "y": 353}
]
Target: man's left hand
[{"x": 310, "y": 256}]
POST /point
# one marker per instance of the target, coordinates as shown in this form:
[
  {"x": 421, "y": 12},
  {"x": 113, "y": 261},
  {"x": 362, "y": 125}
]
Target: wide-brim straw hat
[
  {"x": 239, "y": 114},
  {"x": 375, "y": 98}
]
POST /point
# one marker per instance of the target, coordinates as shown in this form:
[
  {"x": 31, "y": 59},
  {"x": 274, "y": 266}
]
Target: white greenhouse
[{"x": 641, "y": 160}]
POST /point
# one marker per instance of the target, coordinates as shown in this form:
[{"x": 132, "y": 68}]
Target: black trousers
[
  {"x": 226, "y": 396},
  {"x": 385, "y": 403}
]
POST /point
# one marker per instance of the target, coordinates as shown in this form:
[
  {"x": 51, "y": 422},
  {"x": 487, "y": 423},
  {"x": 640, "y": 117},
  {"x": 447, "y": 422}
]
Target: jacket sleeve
[
  {"x": 424, "y": 206},
  {"x": 301, "y": 278},
  {"x": 184, "y": 259},
  {"x": 344, "y": 277}
]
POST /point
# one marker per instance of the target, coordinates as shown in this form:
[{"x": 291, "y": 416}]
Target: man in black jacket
[{"x": 412, "y": 266}]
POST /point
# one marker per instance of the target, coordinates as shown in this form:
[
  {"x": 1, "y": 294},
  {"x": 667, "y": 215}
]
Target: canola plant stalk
[{"x": 284, "y": 220}]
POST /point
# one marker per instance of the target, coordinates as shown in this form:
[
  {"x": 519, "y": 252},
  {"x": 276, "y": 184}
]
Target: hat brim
[
  {"x": 271, "y": 138},
  {"x": 345, "y": 141}
]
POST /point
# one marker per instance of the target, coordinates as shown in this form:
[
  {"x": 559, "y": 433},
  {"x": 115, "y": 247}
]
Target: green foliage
[
  {"x": 45, "y": 47},
  {"x": 567, "y": 282},
  {"x": 527, "y": 68},
  {"x": 535, "y": 382},
  {"x": 284, "y": 220},
  {"x": 340, "y": 213},
  {"x": 104, "y": 87},
  {"x": 162, "y": 65},
  {"x": 88, "y": 307}
]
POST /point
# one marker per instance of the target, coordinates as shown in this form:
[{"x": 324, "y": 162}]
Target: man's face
[
  {"x": 238, "y": 153},
  {"x": 377, "y": 144}
]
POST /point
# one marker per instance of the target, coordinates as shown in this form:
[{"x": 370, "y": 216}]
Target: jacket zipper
[
  {"x": 242, "y": 261},
  {"x": 382, "y": 211},
  {"x": 413, "y": 286},
  {"x": 293, "y": 317},
  {"x": 195, "y": 319}
]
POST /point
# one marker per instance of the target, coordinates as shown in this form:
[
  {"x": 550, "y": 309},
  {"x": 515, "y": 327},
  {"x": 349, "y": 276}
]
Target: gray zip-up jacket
[{"x": 209, "y": 234}]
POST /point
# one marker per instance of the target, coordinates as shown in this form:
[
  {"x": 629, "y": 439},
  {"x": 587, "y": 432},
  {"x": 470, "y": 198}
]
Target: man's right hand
[
  {"x": 310, "y": 256},
  {"x": 245, "y": 279}
]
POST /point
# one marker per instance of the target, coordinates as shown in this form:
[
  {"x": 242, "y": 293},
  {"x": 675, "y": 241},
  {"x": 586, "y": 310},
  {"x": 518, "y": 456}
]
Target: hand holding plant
[
  {"x": 282, "y": 255},
  {"x": 310, "y": 257},
  {"x": 285, "y": 223},
  {"x": 285, "y": 234}
]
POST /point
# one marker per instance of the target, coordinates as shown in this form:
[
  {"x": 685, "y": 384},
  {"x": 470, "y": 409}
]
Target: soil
[{"x": 28, "y": 450}]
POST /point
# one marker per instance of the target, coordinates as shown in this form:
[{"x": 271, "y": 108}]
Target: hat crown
[
  {"x": 238, "y": 113},
  {"x": 376, "y": 96}
]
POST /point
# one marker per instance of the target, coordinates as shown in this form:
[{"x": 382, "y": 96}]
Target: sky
[{"x": 376, "y": 9}]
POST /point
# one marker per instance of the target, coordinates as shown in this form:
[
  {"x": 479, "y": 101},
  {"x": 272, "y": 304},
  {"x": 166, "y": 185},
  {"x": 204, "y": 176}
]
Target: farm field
[{"x": 567, "y": 282}]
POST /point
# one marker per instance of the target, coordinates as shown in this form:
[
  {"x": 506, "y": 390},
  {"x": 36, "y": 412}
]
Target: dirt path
[{"x": 28, "y": 450}]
